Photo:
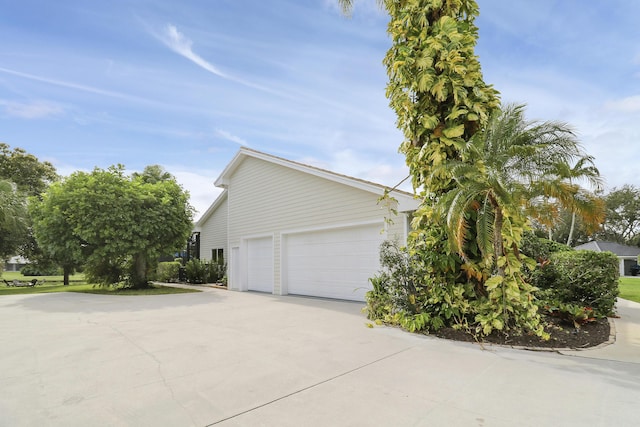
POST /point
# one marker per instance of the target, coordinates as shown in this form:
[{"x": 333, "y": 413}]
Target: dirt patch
[{"x": 563, "y": 335}]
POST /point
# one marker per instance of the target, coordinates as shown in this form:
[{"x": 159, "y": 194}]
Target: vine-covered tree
[
  {"x": 120, "y": 225},
  {"x": 451, "y": 121}
]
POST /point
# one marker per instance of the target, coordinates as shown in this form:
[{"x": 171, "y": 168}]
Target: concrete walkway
[
  {"x": 246, "y": 359},
  {"x": 626, "y": 347}
]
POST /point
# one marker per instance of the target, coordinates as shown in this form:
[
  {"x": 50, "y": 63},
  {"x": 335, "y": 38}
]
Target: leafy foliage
[
  {"x": 31, "y": 176},
  {"x": 622, "y": 222},
  {"x": 199, "y": 271},
  {"x": 587, "y": 279},
  {"x": 119, "y": 225},
  {"x": 168, "y": 272},
  {"x": 14, "y": 223}
]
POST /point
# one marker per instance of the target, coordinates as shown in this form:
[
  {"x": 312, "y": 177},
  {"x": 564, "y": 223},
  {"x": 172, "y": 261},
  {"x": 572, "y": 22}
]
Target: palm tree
[
  {"x": 502, "y": 171},
  {"x": 584, "y": 204}
]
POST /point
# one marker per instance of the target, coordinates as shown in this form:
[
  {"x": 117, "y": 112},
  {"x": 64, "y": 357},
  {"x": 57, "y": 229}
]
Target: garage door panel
[
  {"x": 260, "y": 264},
  {"x": 335, "y": 263}
]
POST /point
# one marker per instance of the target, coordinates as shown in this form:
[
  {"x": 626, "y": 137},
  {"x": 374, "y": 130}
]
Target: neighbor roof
[
  {"x": 616, "y": 248},
  {"x": 406, "y": 201}
]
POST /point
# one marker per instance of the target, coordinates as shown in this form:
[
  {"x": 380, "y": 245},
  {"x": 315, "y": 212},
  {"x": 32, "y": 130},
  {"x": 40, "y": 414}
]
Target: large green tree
[
  {"x": 120, "y": 225},
  {"x": 31, "y": 176},
  {"x": 14, "y": 219},
  {"x": 24, "y": 176},
  {"x": 622, "y": 222}
]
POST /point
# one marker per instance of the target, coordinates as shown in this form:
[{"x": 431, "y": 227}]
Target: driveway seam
[{"x": 310, "y": 386}]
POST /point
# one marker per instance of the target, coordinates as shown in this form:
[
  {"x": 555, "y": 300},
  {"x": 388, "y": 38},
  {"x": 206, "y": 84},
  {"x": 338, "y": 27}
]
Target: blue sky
[{"x": 185, "y": 83}]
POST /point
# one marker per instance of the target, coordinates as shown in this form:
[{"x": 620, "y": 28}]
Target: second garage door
[{"x": 335, "y": 263}]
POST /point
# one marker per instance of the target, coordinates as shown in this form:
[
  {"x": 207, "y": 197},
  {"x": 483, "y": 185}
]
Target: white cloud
[
  {"x": 200, "y": 186},
  {"x": 356, "y": 164},
  {"x": 230, "y": 137},
  {"x": 32, "y": 110},
  {"x": 181, "y": 45},
  {"x": 630, "y": 104},
  {"x": 72, "y": 85}
]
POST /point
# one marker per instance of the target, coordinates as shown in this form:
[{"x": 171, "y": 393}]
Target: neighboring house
[
  {"x": 284, "y": 227},
  {"x": 15, "y": 263},
  {"x": 628, "y": 255}
]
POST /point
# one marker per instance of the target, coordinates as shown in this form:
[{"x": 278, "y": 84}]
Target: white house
[
  {"x": 627, "y": 255},
  {"x": 289, "y": 228}
]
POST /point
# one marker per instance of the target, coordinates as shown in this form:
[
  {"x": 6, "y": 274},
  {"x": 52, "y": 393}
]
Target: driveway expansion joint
[{"x": 319, "y": 383}]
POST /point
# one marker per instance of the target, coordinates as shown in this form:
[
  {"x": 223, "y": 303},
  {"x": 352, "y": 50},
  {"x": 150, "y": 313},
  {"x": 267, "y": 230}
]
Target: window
[{"x": 217, "y": 255}]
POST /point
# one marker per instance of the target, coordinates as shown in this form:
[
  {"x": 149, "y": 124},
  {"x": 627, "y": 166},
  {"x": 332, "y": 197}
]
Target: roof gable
[
  {"x": 616, "y": 248},
  {"x": 406, "y": 201},
  {"x": 221, "y": 198}
]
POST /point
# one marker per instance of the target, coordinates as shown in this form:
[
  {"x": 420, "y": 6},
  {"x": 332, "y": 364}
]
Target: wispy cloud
[
  {"x": 630, "y": 104},
  {"x": 75, "y": 86},
  {"x": 31, "y": 110},
  {"x": 177, "y": 42},
  {"x": 183, "y": 46},
  {"x": 230, "y": 137}
]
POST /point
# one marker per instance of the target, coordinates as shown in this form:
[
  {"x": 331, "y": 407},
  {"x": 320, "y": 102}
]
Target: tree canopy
[
  {"x": 119, "y": 225},
  {"x": 622, "y": 222},
  {"x": 14, "y": 221},
  {"x": 31, "y": 176}
]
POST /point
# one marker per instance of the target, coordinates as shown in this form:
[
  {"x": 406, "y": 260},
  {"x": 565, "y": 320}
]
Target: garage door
[
  {"x": 260, "y": 264},
  {"x": 334, "y": 263}
]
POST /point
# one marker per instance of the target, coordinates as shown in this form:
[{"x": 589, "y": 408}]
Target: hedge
[{"x": 586, "y": 278}]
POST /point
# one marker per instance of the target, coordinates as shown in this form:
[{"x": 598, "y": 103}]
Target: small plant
[{"x": 571, "y": 313}]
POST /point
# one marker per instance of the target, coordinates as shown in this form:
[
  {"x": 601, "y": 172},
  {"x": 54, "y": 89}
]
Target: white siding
[
  {"x": 213, "y": 231},
  {"x": 266, "y": 198}
]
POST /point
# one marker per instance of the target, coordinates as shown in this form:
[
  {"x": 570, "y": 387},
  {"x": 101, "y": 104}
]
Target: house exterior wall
[
  {"x": 213, "y": 232},
  {"x": 266, "y": 199}
]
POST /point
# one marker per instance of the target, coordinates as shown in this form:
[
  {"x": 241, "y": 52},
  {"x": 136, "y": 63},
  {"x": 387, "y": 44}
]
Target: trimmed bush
[
  {"x": 168, "y": 271},
  {"x": 540, "y": 249},
  {"x": 198, "y": 271},
  {"x": 585, "y": 278}
]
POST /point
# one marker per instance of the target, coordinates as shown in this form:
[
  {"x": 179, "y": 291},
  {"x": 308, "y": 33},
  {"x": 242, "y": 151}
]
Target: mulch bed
[{"x": 563, "y": 335}]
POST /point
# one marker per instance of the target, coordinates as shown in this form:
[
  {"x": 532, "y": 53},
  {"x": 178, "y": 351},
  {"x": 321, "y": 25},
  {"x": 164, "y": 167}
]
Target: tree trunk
[
  {"x": 498, "y": 245},
  {"x": 573, "y": 224},
  {"x": 66, "y": 271},
  {"x": 140, "y": 271}
]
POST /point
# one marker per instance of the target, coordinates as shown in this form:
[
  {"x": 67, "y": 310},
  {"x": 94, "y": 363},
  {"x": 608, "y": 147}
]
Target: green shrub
[
  {"x": 540, "y": 249},
  {"x": 586, "y": 279},
  {"x": 168, "y": 271},
  {"x": 195, "y": 271},
  {"x": 40, "y": 270},
  {"x": 198, "y": 271}
]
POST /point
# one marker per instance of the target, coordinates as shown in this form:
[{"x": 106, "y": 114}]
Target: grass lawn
[
  {"x": 630, "y": 288},
  {"x": 77, "y": 283}
]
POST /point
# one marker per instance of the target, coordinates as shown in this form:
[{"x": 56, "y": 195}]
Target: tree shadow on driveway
[{"x": 69, "y": 302}]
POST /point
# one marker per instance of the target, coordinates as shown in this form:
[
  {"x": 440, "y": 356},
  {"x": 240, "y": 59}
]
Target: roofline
[
  {"x": 408, "y": 202},
  {"x": 221, "y": 197}
]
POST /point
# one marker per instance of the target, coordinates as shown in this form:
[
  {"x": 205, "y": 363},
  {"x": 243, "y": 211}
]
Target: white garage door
[
  {"x": 334, "y": 263},
  {"x": 260, "y": 264}
]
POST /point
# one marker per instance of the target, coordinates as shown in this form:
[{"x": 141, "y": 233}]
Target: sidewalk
[{"x": 626, "y": 347}]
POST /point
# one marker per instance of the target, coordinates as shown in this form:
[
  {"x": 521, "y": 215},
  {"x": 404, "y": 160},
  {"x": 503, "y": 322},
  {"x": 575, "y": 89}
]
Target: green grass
[
  {"x": 78, "y": 284},
  {"x": 630, "y": 288}
]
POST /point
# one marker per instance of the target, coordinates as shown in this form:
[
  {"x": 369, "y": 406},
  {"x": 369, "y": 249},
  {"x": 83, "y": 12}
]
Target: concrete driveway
[{"x": 244, "y": 359}]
